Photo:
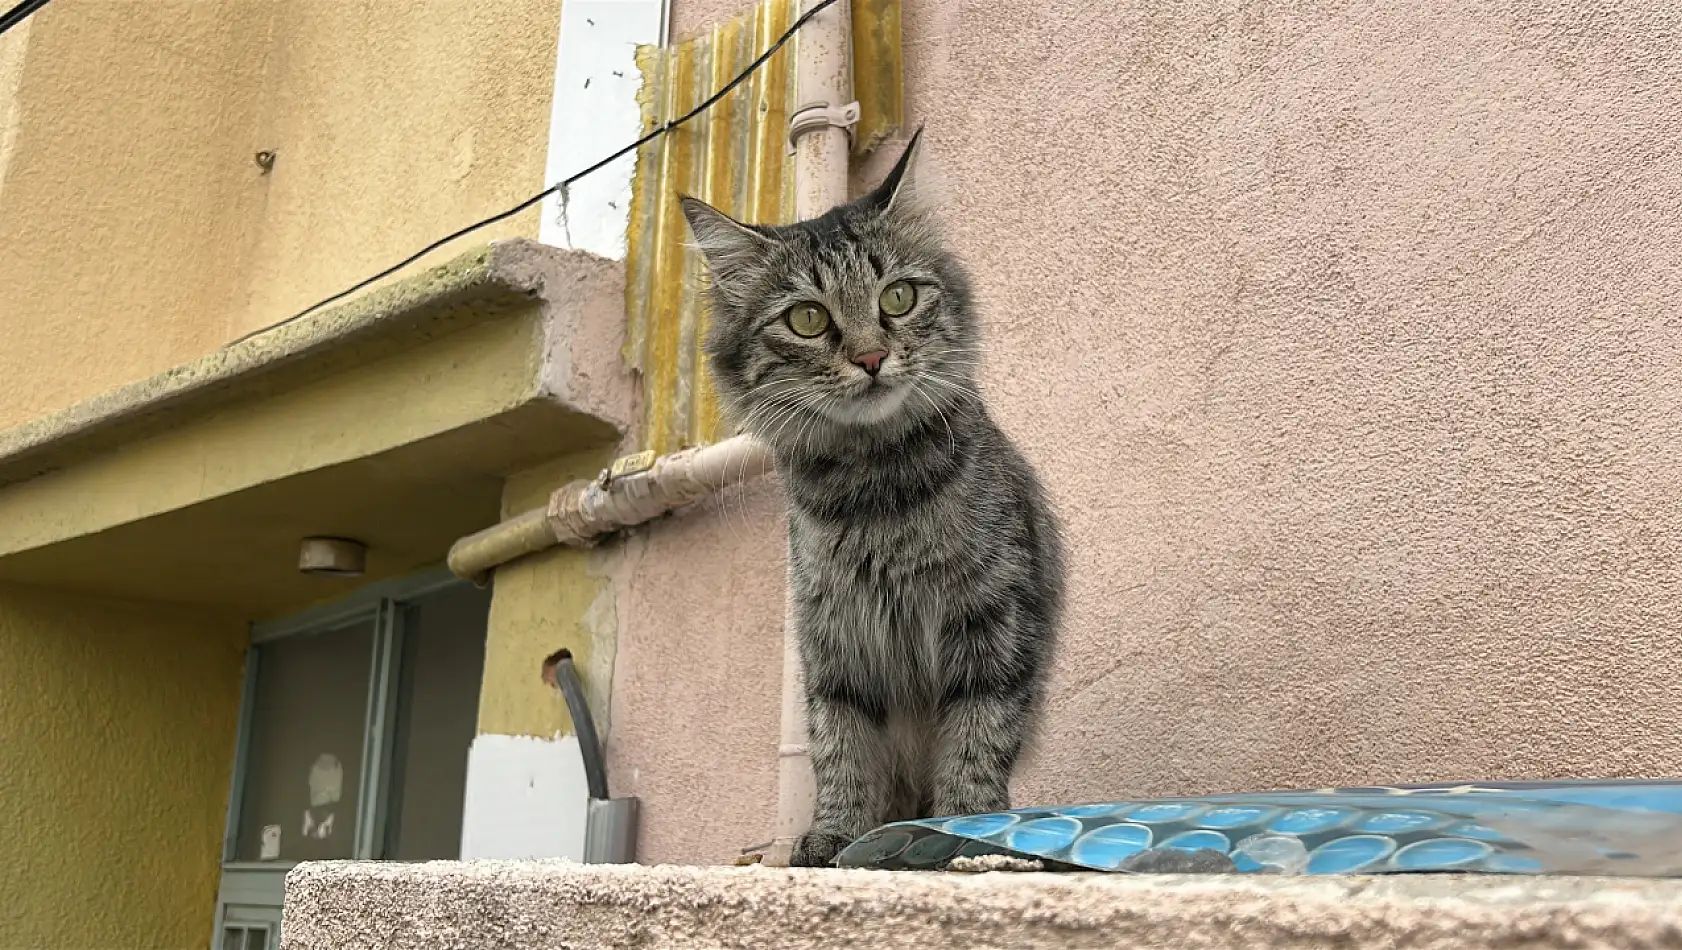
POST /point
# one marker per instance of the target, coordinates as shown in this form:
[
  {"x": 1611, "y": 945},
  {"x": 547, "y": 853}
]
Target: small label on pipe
[{"x": 631, "y": 465}]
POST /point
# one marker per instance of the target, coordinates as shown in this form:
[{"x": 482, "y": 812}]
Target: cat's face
[{"x": 851, "y": 322}]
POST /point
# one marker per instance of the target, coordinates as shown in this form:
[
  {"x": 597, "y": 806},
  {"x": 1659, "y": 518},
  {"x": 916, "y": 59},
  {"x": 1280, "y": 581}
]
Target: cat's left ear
[
  {"x": 900, "y": 191},
  {"x": 725, "y": 242}
]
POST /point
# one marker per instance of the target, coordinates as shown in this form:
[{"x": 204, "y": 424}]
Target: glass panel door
[
  {"x": 303, "y": 764},
  {"x": 437, "y": 717},
  {"x": 354, "y": 738}
]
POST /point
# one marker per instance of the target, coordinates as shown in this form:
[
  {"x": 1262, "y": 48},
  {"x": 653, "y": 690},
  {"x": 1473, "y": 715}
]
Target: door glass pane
[
  {"x": 437, "y": 716},
  {"x": 305, "y": 756},
  {"x": 245, "y": 937}
]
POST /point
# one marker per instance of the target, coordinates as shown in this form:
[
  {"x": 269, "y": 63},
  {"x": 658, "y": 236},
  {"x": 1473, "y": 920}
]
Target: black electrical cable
[
  {"x": 552, "y": 189},
  {"x": 19, "y": 13}
]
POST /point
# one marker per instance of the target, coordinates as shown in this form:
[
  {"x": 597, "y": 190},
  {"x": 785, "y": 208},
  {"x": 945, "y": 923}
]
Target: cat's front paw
[{"x": 817, "y": 849}]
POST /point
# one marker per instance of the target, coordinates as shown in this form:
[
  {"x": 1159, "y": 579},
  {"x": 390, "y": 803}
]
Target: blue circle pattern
[
  {"x": 1308, "y": 821},
  {"x": 1106, "y": 848},
  {"x": 1350, "y": 854},
  {"x": 1164, "y": 812},
  {"x": 1434, "y": 854},
  {"x": 1343, "y": 831},
  {"x": 980, "y": 826},
  {"x": 1199, "y": 839},
  {"x": 1236, "y": 816},
  {"x": 1043, "y": 836},
  {"x": 932, "y": 850},
  {"x": 1400, "y": 822}
]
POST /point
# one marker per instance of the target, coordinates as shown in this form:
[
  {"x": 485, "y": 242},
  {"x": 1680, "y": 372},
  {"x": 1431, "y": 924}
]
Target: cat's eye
[
  {"x": 808, "y": 319},
  {"x": 898, "y": 298}
]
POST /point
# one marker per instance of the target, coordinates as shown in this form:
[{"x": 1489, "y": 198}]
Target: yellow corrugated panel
[
  {"x": 877, "y": 69},
  {"x": 734, "y": 156}
]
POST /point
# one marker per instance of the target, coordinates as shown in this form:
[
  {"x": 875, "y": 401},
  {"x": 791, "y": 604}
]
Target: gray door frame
[{"x": 253, "y": 891}]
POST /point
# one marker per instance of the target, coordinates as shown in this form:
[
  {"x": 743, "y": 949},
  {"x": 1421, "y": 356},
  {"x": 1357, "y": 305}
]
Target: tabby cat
[{"x": 925, "y": 563}]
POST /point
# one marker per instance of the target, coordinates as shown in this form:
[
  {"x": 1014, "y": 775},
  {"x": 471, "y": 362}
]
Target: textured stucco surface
[
  {"x": 699, "y": 663},
  {"x": 543, "y": 603},
  {"x": 344, "y": 906},
  {"x": 1344, "y": 337},
  {"x": 129, "y": 192},
  {"x": 479, "y": 285},
  {"x": 395, "y": 125},
  {"x": 139, "y": 230},
  {"x": 117, "y": 723}
]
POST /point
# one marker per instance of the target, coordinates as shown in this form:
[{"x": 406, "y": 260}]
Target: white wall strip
[{"x": 594, "y": 112}]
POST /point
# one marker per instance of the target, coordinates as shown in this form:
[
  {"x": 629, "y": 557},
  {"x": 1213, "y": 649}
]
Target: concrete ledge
[
  {"x": 509, "y": 906},
  {"x": 394, "y": 419},
  {"x": 481, "y": 284}
]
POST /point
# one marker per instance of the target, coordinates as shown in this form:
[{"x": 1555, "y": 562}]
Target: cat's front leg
[
  {"x": 854, "y": 776},
  {"x": 980, "y": 737}
]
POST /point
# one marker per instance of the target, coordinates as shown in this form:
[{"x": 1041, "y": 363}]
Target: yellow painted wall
[
  {"x": 117, "y": 725},
  {"x": 128, "y": 198},
  {"x": 559, "y": 598},
  {"x": 140, "y": 233},
  {"x": 395, "y": 123}
]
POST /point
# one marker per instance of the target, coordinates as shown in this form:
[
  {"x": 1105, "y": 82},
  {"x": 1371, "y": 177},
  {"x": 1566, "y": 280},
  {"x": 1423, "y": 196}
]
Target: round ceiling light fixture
[{"x": 332, "y": 557}]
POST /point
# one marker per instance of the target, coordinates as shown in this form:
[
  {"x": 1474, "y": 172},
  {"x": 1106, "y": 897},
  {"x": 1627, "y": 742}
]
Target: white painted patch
[
  {"x": 594, "y": 113},
  {"x": 269, "y": 847},
  {"x": 526, "y": 798}
]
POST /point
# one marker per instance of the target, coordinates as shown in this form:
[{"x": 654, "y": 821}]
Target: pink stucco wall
[
  {"x": 698, "y": 677},
  {"x": 1345, "y": 335}
]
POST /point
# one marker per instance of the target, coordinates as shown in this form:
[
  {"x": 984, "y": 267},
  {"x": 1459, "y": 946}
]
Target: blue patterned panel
[
  {"x": 1630, "y": 827},
  {"x": 1107, "y": 846}
]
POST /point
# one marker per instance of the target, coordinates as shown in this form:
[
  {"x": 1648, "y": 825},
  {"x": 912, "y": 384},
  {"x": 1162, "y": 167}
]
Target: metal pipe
[
  {"x": 634, "y": 490},
  {"x": 642, "y": 488},
  {"x": 475, "y": 556},
  {"x": 823, "y": 76}
]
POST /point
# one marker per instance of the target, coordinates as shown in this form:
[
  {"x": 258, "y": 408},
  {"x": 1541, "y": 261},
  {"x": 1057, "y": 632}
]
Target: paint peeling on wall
[
  {"x": 612, "y": 566},
  {"x": 735, "y": 157},
  {"x": 877, "y": 73}
]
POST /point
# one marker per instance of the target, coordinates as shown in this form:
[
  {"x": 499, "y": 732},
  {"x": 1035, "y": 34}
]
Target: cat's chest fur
[{"x": 874, "y": 597}]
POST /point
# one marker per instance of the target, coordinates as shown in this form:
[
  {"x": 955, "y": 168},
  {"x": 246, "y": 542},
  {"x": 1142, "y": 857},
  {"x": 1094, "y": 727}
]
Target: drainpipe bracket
[{"x": 821, "y": 115}]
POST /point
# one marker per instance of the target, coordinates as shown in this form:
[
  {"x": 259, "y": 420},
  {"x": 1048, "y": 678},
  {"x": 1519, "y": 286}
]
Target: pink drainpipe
[{"x": 823, "y": 80}]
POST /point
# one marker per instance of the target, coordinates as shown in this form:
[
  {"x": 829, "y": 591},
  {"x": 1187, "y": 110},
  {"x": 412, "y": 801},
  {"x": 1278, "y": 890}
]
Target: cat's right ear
[{"x": 725, "y": 242}]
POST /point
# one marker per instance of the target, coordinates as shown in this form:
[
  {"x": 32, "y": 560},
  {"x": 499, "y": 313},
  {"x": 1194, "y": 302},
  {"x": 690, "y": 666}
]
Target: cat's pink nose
[{"x": 871, "y": 362}]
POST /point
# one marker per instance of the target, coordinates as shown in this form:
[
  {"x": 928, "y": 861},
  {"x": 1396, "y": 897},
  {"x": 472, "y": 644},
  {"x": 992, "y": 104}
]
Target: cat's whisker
[
  {"x": 936, "y": 407},
  {"x": 951, "y": 387},
  {"x": 804, "y": 434},
  {"x": 943, "y": 372},
  {"x": 794, "y": 412},
  {"x": 956, "y": 372},
  {"x": 785, "y": 402}
]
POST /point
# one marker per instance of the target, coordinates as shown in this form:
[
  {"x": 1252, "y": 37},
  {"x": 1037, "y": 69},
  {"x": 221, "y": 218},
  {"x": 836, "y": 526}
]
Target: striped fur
[{"x": 925, "y": 563}]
